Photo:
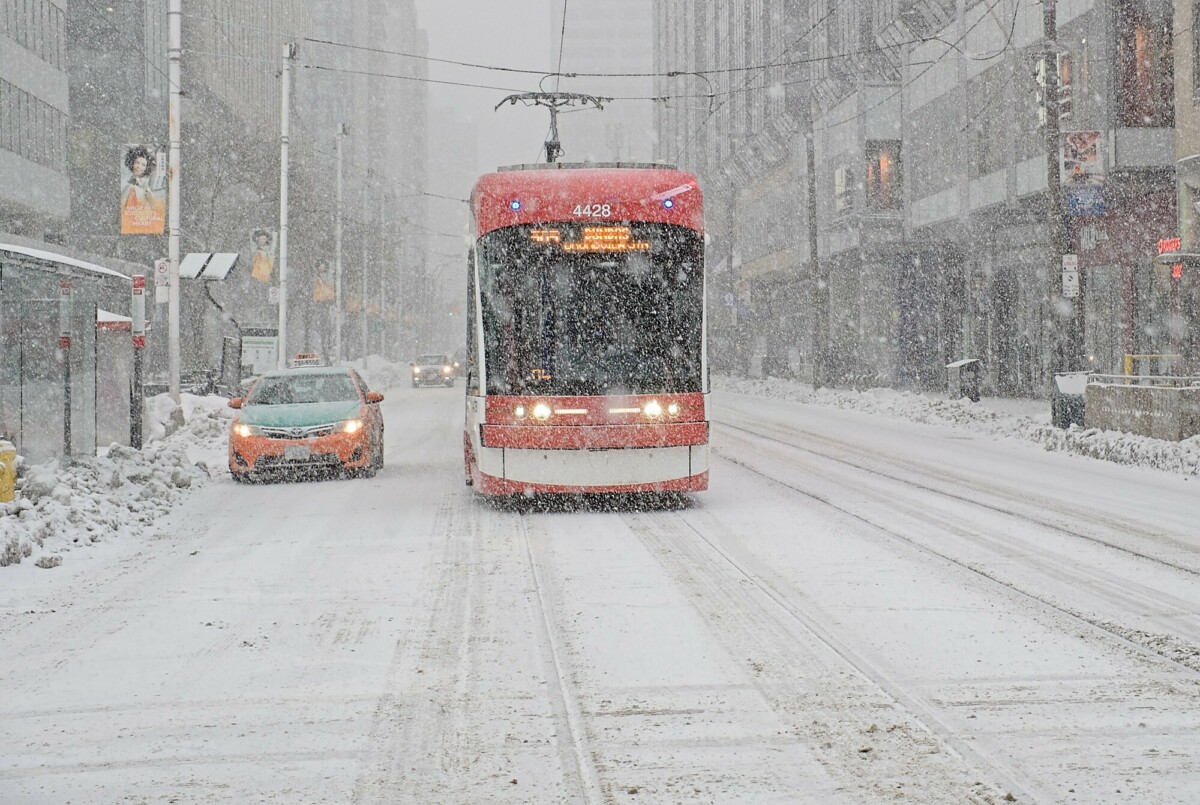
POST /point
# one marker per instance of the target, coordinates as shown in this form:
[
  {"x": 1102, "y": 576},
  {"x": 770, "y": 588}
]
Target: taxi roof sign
[{"x": 305, "y": 359}]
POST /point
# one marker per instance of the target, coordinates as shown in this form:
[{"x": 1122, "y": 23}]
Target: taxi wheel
[{"x": 377, "y": 454}]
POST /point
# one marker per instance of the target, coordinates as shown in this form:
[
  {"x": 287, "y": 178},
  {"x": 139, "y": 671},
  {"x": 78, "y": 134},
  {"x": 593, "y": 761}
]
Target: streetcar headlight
[
  {"x": 673, "y": 409},
  {"x": 519, "y": 412},
  {"x": 541, "y": 411},
  {"x": 652, "y": 409},
  {"x": 352, "y": 426}
]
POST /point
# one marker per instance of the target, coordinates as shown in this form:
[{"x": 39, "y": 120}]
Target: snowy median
[
  {"x": 991, "y": 416},
  {"x": 122, "y": 492}
]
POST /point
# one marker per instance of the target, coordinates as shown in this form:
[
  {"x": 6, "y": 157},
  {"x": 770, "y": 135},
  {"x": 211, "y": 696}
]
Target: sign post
[
  {"x": 136, "y": 401},
  {"x": 64, "y": 351}
]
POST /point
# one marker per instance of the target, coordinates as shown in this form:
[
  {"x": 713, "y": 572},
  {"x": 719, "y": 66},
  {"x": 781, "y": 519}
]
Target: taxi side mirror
[
  {"x": 374, "y": 397},
  {"x": 236, "y": 402}
]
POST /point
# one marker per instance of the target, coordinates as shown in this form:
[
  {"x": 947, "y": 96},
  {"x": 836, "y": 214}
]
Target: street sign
[
  {"x": 162, "y": 281},
  {"x": 260, "y": 351},
  {"x": 138, "y": 306},
  {"x": 1070, "y": 276}
]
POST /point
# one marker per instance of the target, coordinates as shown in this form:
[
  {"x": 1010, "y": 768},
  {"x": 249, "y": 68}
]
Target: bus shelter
[{"x": 48, "y": 305}]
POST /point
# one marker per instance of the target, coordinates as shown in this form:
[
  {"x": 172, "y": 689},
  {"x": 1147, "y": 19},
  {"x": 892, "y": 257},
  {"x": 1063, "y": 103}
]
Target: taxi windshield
[
  {"x": 301, "y": 389},
  {"x": 432, "y": 359}
]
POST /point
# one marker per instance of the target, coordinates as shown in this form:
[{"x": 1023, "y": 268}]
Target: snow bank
[
  {"x": 985, "y": 417},
  {"x": 122, "y": 492},
  {"x": 380, "y": 373}
]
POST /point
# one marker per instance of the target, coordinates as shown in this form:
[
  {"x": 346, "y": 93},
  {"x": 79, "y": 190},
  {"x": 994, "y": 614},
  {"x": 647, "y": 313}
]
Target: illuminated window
[
  {"x": 884, "y": 191},
  {"x": 1145, "y": 64}
]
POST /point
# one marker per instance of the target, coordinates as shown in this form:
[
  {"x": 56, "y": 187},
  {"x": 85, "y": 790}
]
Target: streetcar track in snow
[
  {"x": 1166, "y": 648},
  {"x": 817, "y": 691},
  {"x": 569, "y": 718},
  {"x": 933, "y": 472}
]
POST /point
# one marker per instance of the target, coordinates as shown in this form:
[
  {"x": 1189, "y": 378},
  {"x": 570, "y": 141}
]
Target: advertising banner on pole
[
  {"x": 1083, "y": 173},
  {"x": 143, "y": 190},
  {"x": 262, "y": 259}
]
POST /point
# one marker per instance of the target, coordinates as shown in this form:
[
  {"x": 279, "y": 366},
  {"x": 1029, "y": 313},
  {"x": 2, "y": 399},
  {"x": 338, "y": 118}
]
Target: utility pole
[
  {"x": 366, "y": 226},
  {"x": 1063, "y": 324},
  {"x": 342, "y": 131},
  {"x": 289, "y": 53},
  {"x": 820, "y": 342},
  {"x": 174, "y": 50}
]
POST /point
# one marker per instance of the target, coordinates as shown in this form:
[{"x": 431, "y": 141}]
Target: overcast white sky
[{"x": 510, "y": 33}]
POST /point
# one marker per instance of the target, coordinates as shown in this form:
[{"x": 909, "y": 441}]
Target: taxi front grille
[{"x": 306, "y": 432}]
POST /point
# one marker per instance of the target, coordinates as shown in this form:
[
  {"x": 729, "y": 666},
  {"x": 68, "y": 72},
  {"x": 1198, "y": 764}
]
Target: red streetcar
[{"x": 586, "y": 346}]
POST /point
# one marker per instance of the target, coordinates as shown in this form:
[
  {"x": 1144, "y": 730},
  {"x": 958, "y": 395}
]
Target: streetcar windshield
[{"x": 583, "y": 310}]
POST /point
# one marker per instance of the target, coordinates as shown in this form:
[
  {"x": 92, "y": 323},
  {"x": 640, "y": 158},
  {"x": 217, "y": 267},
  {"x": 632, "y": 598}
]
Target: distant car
[
  {"x": 305, "y": 419},
  {"x": 432, "y": 370}
]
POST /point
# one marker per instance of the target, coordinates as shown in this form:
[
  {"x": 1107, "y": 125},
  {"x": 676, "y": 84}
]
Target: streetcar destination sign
[{"x": 595, "y": 239}]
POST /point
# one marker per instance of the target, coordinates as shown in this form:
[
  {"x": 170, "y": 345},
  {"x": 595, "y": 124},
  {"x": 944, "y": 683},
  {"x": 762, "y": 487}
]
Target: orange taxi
[{"x": 303, "y": 419}]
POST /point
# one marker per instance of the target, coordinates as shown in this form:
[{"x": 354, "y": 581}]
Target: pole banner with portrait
[
  {"x": 143, "y": 190},
  {"x": 262, "y": 258}
]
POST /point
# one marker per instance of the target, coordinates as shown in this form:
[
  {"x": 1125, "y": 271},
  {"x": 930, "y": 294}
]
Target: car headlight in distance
[
  {"x": 541, "y": 411},
  {"x": 352, "y": 426},
  {"x": 652, "y": 409}
]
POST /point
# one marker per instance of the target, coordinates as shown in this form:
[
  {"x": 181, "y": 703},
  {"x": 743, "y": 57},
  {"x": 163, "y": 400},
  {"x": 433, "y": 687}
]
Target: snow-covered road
[{"x": 859, "y": 610}]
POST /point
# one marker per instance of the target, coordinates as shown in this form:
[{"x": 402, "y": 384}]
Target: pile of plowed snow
[{"x": 61, "y": 508}]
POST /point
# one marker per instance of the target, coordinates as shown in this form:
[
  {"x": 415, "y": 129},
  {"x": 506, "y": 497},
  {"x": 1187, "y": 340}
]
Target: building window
[
  {"x": 1145, "y": 66},
  {"x": 884, "y": 191}
]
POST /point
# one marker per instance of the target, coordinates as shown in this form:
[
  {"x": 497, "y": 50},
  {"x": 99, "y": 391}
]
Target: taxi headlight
[
  {"x": 244, "y": 430},
  {"x": 652, "y": 409},
  {"x": 416, "y": 370},
  {"x": 446, "y": 370},
  {"x": 352, "y": 426},
  {"x": 541, "y": 411}
]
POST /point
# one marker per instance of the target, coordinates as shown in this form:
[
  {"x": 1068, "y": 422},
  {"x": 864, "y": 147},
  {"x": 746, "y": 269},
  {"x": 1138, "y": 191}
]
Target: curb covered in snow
[{"x": 1120, "y": 448}]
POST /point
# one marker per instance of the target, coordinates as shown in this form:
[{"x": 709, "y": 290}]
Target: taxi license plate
[{"x": 297, "y": 453}]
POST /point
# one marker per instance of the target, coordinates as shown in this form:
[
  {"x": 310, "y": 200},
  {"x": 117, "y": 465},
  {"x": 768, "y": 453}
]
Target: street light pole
[
  {"x": 820, "y": 279},
  {"x": 289, "y": 53},
  {"x": 174, "y": 50},
  {"x": 342, "y": 131},
  {"x": 1063, "y": 324}
]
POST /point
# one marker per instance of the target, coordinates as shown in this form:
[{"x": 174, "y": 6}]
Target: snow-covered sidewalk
[
  {"x": 1027, "y": 420},
  {"x": 123, "y": 492}
]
